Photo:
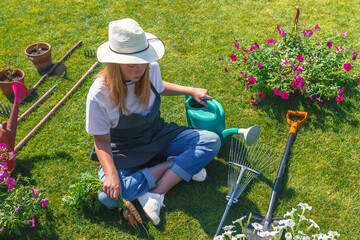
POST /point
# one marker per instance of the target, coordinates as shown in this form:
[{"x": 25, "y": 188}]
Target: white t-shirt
[{"x": 101, "y": 114}]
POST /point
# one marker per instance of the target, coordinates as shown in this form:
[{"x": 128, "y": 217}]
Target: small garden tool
[
  {"x": 245, "y": 163},
  {"x": 212, "y": 118},
  {"x": 267, "y": 222}
]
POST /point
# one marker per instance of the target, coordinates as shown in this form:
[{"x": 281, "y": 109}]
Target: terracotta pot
[
  {"x": 41, "y": 60},
  {"x": 6, "y": 85},
  {"x": 11, "y": 164}
]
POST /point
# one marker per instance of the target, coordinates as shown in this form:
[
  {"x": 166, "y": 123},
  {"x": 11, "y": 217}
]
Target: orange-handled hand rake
[{"x": 267, "y": 222}]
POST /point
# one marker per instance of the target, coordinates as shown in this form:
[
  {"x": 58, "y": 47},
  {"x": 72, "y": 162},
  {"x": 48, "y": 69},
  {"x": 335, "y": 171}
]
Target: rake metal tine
[{"x": 90, "y": 53}]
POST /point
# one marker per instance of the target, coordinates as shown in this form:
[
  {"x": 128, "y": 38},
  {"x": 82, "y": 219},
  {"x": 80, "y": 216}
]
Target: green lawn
[{"x": 323, "y": 168}]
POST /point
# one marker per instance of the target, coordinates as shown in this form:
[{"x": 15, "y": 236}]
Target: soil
[
  {"x": 14, "y": 78},
  {"x": 41, "y": 51}
]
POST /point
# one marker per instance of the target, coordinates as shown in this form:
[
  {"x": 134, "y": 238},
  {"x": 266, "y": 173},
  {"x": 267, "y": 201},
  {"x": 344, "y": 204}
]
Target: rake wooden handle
[
  {"x": 51, "y": 70},
  {"x": 57, "y": 106}
]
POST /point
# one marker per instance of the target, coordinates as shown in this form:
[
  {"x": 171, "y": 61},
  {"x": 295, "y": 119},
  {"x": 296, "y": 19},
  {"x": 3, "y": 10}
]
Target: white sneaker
[
  {"x": 200, "y": 176},
  {"x": 152, "y": 203}
]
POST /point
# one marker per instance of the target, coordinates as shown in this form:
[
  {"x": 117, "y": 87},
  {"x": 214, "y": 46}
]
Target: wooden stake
[{"x": 57, "y": 106}]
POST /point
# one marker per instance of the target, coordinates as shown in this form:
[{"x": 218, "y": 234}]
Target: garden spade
[{"x": 268, "y": 222}]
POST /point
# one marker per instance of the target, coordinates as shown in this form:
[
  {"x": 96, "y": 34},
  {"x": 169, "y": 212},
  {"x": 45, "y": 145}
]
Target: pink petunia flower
[
  {"x": 339, "y": 48},
  {"x": 233, "y": 57},
  {"x": 251, "y": 80},
  {"x": 339, "y": 98},
  {"x": 283, "y": 33},
  {"x": 277, "y": 91},
  {"x": 44, "y": 202},
  {"x": 1, "y": 229},
  {"x": 311, "y": 96},
  {"x": 284, "y": 95},
  {"x": 300, "y": 58},
  {"x": 226, "y": 69},
  {"x": 319, "y": 99},
  {"x": 252, "y": 48},
  {"x": 32, "y": 221},
  {"x": 329, "y": 44},
  {"x": 247, "y": 87},
  {"x": 245, "y": 59},
  {"x": 355, "y": 54},
  {"x": 270, "y": 41},
  {"x": 244, "y": 74},
  {"x": 11, "y": 183},
  {"x": 345, "y": 34},
  {"x": 347, "y": 67},
  {"x": 358, "y": 81},
  {"x": 34, "y": 192},
  {"x": 309, "y": 32},
  {"x": 261, "y": 96},
  {"x": 340, "y": 91},
  {"x": 236, "y": 45},
  {"x": 259, "y": 65},
  {"x": 3, "y": 175},
  {"x": 256, "y": 45},
  {"x": 3, "y": 165},
  {"x": 252, "y": 100},
  {"x": 278, "y": 28},
  {"x": 3, "y": 146},
  {"x": 286, "y": 61},
  {"x": 245, "y": 50},
  {"x": 316, "y": 27}
]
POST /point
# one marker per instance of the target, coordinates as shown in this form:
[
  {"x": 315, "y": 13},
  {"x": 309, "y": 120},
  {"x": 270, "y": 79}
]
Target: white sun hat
[{"x": 129, "y": 44}]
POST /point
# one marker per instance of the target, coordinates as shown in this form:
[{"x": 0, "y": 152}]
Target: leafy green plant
[
  {"x": 298, "y": 63},
  {"x": 82, "y": 194},
  {"x": 293, "y": 226},
  {"x": 9, "y": 72}
]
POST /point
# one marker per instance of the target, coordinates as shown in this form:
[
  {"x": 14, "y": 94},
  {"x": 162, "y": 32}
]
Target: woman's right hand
[{"x": 112, "y": 186}]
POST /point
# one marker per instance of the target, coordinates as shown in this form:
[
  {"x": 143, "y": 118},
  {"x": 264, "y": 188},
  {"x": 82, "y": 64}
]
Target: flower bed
[
  {"x": 296, "y": 63},
  {"x": 20, "y": 201}
]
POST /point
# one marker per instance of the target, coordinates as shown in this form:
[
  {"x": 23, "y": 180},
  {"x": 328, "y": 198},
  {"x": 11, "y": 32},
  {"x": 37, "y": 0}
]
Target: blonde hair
[{"x": 111, "y": 76}]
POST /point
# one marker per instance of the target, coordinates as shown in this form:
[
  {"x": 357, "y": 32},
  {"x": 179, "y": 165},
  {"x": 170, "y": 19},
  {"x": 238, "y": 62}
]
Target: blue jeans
[{"x": 193, "y": 149}]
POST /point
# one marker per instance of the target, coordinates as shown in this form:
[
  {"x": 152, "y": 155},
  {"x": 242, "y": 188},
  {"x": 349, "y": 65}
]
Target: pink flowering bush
[
  {"x": 296, "y": 63},
  {"x": 20, "y": 202}
]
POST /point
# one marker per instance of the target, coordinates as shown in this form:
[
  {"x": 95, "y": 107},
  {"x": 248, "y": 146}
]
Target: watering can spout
[{"x": 250, "y": 134}]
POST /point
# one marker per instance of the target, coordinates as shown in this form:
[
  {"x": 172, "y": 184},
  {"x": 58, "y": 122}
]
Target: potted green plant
[
  {"x": 8, "y": 75},
  {"x": 40, "y": 54}
]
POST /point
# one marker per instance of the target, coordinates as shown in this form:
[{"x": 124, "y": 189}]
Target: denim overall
[{"x": 138, "y": 139}]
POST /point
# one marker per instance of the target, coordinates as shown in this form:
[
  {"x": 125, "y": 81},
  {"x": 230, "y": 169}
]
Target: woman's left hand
[{"x": 200, "y": 94}]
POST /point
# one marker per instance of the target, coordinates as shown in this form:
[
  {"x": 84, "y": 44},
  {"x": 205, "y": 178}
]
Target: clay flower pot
[
  {"x": 5, "y": 83},
  {"x": 40, "y": 55}
]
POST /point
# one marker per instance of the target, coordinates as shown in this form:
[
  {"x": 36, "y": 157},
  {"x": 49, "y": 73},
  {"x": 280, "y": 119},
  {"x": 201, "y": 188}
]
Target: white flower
[
  {"x": 321, "y": 236},
  {"x": 257, "y": 226},
  {"x": 229, "y": 227},
  {"x": 288, "y": 236},
  {"x": 302, "y": 218},
  {"x": 278, "y": 227},
  {"x": 287, "y": 222},
  {"x": 288, "y": 214},
  {"x": 314, "y": 224},
  {"x": 239, "y": 220},
  {"x": 334, "y": 233},
  {"x": 229, "y": 233},
  {"x": 238, "y": 236},
  {"x": 305, "y": 206},
  {"x": 273, "y": 233},
  {"x": 263, "y": 234},
  {"x": 219, "y": 237}
]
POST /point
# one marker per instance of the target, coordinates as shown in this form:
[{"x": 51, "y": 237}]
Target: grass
[{"x": 323, "y": 166}]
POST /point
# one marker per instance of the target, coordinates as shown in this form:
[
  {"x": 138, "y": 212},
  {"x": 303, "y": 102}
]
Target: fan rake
[{"x": 245, "y": 163}]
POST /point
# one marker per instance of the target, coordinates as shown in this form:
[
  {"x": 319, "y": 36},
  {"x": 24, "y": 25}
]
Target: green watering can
[{"x": 212, "y": 118}]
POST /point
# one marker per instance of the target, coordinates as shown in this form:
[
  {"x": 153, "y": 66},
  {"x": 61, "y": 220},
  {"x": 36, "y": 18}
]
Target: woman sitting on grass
[{"x": 130, "y": 137}]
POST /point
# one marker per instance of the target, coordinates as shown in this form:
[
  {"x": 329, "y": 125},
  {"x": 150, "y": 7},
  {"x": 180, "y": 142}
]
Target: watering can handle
[
  {"x": 213, "y": 105},
  {"x": 293, "y": 124}
]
